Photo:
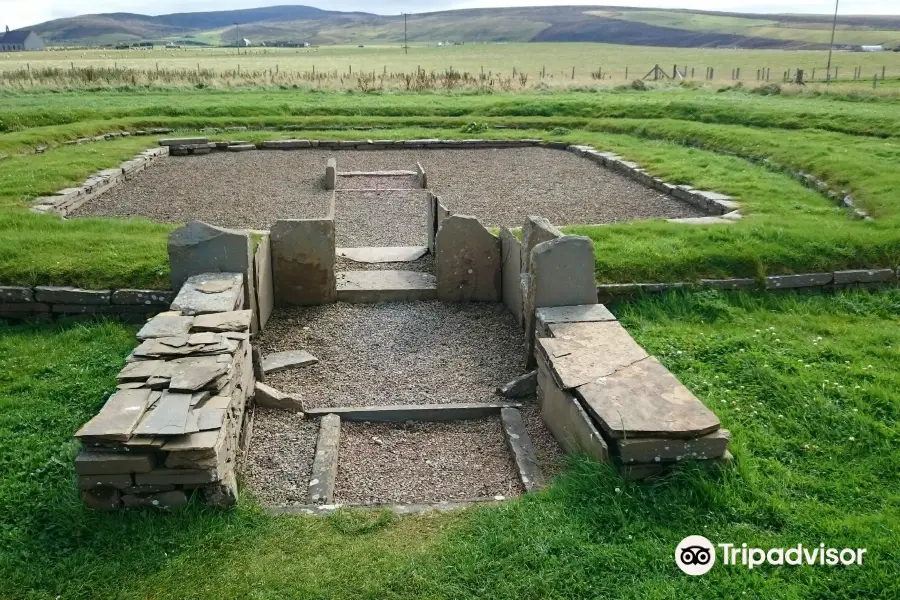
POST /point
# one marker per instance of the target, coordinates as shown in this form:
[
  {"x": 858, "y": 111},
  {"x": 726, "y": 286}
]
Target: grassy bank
[{"x": 806, "y": 384}]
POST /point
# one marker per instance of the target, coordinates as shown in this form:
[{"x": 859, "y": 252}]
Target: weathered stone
[
  {"x": 258, "y": 373},
  {"x": 567, "y": 420},
  {"x": 729, "y": 284},
  {"x": 369, "y": 287},
  {"x": 286, "y": 144},
  {"x": 168, "y": 417},
  {"x": 193, "y": 141},
  {"x": 236, "y": 320},
  {"x": 467, "y": 261},
  {"x": 325, "y": 463},
  {"x": 119, "y": 481},
  {"x": 536, "y": 230},
  {"x": 177, "y": 477},
  {"x": 143, "y": 297},
  {"x": 195, "y": 374},
  {"x": 511, "y": 257},
  {"x": 142, "y": 370},
  {"x": 118, "y": 417},
  {"x": 265, "y": 293},
  {"x": 70, "y": 295},
  {"x": 576, "y": 361},
  {"x": 561, "y": 274},
  {"x": 303, "y": 254},
  {"x": 199, "y": 248},
  {"x": 112, "y": 463},
  {"x": 798, "y": 281},
  {"x": 162, "y": 501},
  {"x": 210, "y": 293},
  {"x": 148, "y": 489},
  {"x": 519, "y": 444},
  {"x": 165, "y": 325},
  {"x": 203, "y": 441},
  {"x": 222, "y": 494},
  {"x": 662, "y": 450},
  {"x": 645, "y": 400},
  {"x": 585, "y": 313},
  {"x": 269, "y": 397},
  {"x": 846, "y": 277},
  {"x": 279, "y": 361},
  {"x": 102, "y": 499},
  {"x": 443, "y": 213},
  {"x": 16, "y": 294},
  {"x": 589, "y": 333},
  {"x": 520, "y": 387},
  {"x": 240, "y": 147},
  {"x": 331, "y": 174},
  {"x": 379, "y": 254}
]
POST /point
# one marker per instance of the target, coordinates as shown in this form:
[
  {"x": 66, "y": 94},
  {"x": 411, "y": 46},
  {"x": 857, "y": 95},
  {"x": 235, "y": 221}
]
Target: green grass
[{"x": 806, "y": 384}]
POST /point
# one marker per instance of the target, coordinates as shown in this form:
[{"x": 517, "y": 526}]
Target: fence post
[
  {"x": 573, "y": 73},
  {"x": 739, "y": 73},
  {"x": 875, "y": 81},
  {"x": 626, "y": 73},
  {"x": 882, "y": 72}
]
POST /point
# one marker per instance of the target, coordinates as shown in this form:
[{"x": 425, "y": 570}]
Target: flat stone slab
[
  {"x": 112, "y": 463},
  {"x": 644, "y": 400},
  {"x": 377, "y": 254},
  {"x": 385, "y": 286},
  {"x": 71, "y": 295},
  {"x": 268, "y": 397},
  {"x": 520, "y": 387},
  {"x": 519, "y": 444},
  {"x": 415, "y": 412},
  {"x": 584, "y": 313},
  {"x": 567, "y": 420},
  {"x": 574, "y": 362},
  {"x": 192, "y": 141},
  {"x": 279, "y": 361},
  {"x": 325, "y": 463},
  {"x": 864, "y": 276},
  {"x": 662, "y": 450},
  {"x": 118, "y": 417},
  {"x": 237, "y": 320},
  {"x": 798, "y": 281},
  {"x": 240, "y": 147},
  {"x": 210, "y": 293},
  {"x": 165, "y": 325}
]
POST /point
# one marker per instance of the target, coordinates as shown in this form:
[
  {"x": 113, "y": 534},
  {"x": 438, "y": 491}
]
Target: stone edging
[
  {"x": 17, "y": 302},
  {"x": 68, "y": 199},
  {"x": 837, "y": 280}
]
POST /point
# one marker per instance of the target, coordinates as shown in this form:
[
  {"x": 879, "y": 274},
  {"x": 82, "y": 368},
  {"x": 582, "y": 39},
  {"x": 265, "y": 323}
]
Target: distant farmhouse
[{"x": 18, "y": 41}]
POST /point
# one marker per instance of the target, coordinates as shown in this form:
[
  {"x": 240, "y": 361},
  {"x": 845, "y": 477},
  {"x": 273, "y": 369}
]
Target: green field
[
  {"x": 282, "y": 66},
  {"x": 806, "y": 385}
]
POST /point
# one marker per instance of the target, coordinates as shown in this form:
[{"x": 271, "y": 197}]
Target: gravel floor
[
  {"x": 280, "y": 458},
  {"x": 396, "y": 353},
  {"x": 500, "y": 186},
  {"x": 421, "y": 265},
  {"x": 382, "y": 182},
  {"x": 395, "y": 218},
  {"x": 424, "y": 462}
]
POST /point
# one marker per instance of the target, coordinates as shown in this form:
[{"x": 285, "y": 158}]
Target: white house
[
  {"x": 18, "y": 41},
  {"x": 872, "y": 48}
]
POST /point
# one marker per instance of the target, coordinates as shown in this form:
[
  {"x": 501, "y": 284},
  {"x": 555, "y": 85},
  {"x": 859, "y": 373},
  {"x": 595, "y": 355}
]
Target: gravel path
[
  {"x": 424, "y": 462},
  {"x": 395, "y": 218},
  {"x": 280, "y": 458},
  {"x": 421, "y": 265},
  {"x": 396, "y": 353},
  {"x": 381, "y": 182},
  {"x": 500, "y": 186}
]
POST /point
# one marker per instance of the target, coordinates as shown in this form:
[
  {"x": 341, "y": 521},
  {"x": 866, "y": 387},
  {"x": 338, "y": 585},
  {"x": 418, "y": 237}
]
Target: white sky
[{"x": 20, "y": 13}]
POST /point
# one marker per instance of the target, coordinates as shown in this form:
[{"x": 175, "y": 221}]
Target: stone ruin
[{"x": 177, "y": 421}]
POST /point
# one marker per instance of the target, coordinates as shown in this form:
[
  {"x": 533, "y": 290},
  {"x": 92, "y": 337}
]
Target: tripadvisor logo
[{"x": 696, "y": 555}]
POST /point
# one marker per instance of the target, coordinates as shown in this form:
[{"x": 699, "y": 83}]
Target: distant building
[
  {"x": 244, "y": 43},
  {"x": 873, "y": 48},
  {"x": 19, "y": 41}
]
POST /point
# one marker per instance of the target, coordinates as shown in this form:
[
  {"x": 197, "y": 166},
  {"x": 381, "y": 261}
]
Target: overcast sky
[{"x": 20, "y": 13}]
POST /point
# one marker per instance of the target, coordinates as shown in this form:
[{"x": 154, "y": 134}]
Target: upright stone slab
[
  {"x": 303, "y": 262},
  {"x": 467, "y": 261},
  {"x": 331, "y": 174},
  {"x": 561, "y": 273},
  {"x": 201, "y": 248},
  {"x": 262, "y": 270},
  {"x": 511, "y": 256},
  {"x": 536, "y": 230}
]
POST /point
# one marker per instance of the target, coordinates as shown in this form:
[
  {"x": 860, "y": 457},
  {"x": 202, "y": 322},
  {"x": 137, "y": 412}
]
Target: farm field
[
  {"x": 341, "y": 65},
  {"x": 806, "y": 384}
]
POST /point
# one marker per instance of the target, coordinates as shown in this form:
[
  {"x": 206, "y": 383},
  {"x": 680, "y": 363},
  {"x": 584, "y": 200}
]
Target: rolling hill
[{"x": 645, "y": 27}]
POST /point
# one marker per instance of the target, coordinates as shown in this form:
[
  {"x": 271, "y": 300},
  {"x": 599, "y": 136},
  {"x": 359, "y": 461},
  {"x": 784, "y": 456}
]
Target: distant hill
[{"x": 645, "y": 27}]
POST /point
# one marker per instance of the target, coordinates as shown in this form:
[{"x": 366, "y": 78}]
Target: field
[
  {"x": 338, "y": 67},
  {"x": 807, "y": 385}
]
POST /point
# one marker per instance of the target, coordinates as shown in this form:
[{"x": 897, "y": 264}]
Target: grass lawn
[{"x": 806, "y": 384}]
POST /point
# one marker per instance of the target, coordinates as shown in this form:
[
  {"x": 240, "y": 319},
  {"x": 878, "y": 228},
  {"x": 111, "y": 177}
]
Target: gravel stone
[
  {"x": 424, "y": 462},
  {"x": 395, "y": 218},
  {"x": 281, "y": 455},
  {"x": 380, "y": 182},
  {"x": 396, "y": 353},
  {"x": 425, "y": 264},
  {"x": 500, "y": 186}
]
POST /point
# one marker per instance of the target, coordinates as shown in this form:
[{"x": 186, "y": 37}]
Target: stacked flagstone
[
  {"x": 602, "y": 394},
  {"x": 175, "y": 421}
]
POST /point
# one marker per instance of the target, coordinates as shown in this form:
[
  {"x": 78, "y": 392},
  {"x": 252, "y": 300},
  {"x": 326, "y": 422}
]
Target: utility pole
[
  {"x": 405, "y": 33},
  {"x": 831, "y": 47},
  {"x": 237, "y": 37}
]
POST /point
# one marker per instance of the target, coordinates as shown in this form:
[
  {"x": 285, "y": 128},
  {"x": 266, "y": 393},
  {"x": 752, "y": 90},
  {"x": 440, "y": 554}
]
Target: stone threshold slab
[
  {"x": 383, "y": 254},
  {"x": 464, "y": 411},
  {"x": 377, "y": 173},
  {"x": 368, "y": 287}
]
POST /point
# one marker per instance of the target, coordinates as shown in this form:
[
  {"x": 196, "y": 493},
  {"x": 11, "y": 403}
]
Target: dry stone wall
[
  {"x": 47, "y": 302},
  {"x": 173, "y": 426}
]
